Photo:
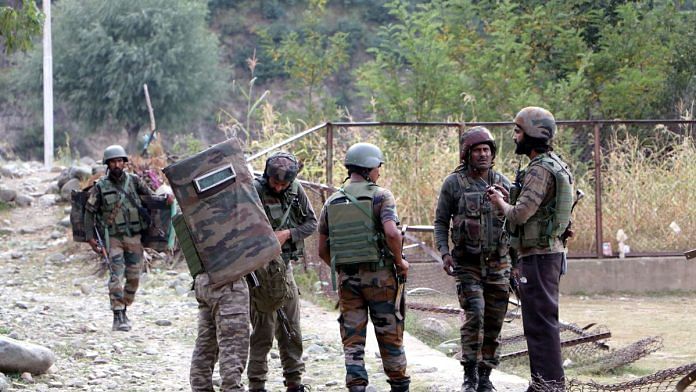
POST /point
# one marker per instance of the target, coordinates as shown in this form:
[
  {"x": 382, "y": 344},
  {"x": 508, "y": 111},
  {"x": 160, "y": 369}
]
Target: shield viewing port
[{"x": 212, "y": 179}]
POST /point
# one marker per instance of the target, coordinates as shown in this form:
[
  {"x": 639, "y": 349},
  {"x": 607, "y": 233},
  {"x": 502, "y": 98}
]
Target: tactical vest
[
  {"x": 118, "y": 213},
  {"x": 477, "y": 227},
  {"x": 551, "y": 220},
  {"x": 354, "y": 236},
  {"x": 283, "y": 212}
]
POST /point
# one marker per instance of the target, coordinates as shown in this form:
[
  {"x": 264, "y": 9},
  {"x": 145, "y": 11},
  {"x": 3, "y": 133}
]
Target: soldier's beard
[
  {"x": 116, "y": 172},
  {"x": 522, "y": 148}
]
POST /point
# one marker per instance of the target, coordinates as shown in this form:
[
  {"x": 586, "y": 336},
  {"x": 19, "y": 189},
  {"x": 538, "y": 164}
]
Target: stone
[
  {"x": 18, "y": 357},
  {"x": 4, "y": 383},
  {"x": 23, "y": 200},
  {"x": 163, "y": 323},
  {"x": 72, "y": 185},
  {"x": 56, "y": 258},
  {"x": 48, "y": 200},
  {"x": 52, "y": 188},
  {"x": 80, "y": 172},
  {"x": 26, "y": 376},
  {"x": 65, "y": 222},
  {"x": 7, "y": 195}
]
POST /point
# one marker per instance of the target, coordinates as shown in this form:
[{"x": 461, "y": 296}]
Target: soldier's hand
[
  {"x": 95, "y": 247},
  {"x": 448, "y": 264},
  {"x": 282, "y": 236},
  {"x": 503, "y": 191},
  {"x": 403, "y": 268}
]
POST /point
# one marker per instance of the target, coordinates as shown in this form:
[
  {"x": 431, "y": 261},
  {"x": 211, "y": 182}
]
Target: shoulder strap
[
  {"x": 355, "y": 202},
  {"x": 124, "y": 193}
]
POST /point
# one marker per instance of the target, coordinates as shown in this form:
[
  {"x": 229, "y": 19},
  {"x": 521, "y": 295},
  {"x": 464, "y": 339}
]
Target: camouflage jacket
[
  {"x": 475, "y": 225},
  {"x": 103, "y": 199},
  {"x": 301, "y": 222},
  {"x": 538, "y": 190}
]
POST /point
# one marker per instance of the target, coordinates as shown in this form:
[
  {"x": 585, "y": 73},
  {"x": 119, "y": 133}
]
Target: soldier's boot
[
  {"x": 125, "y": 318},
  {"x": 470, "y": 377},
  {"x": 357, "y": 388},
  {"x": 292, "y": 387},
  {"x": 484, "y": 383},
  {"x": 402, "y": 386},
  {"x": 258, "y": 390},
  {"x": 120, "y": 322}
]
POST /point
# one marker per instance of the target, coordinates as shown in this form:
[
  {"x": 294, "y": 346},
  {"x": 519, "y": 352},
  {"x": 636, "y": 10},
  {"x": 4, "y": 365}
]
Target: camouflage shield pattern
[
  {"x": 223, "y": 211},
  {"x": 157, "y": 234}
]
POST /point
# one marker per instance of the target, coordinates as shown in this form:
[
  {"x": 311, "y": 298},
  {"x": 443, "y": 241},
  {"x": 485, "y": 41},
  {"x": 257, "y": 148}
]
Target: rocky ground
[{"x": 50, "y": 295}]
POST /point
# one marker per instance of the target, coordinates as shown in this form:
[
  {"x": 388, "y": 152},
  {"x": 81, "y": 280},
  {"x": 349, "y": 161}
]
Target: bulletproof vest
[
  {"x": 354, "y": 237},
  {"x": 552, "y": 219},
  {"x": 284, "y": 212},
  {"x": 222, "y": 210},
  {"x": 477, "y": 227},
  {"x": 118, "y": 213}
]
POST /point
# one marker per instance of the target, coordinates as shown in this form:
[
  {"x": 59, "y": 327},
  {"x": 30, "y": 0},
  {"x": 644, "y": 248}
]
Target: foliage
[
  {"x": 19, "y": 24},
  {"x": 412, "y": 76},
  {"x": 186, "y": 145},
  {"x": 104, "y": 51},
  {"x": 309, "y": 58}
]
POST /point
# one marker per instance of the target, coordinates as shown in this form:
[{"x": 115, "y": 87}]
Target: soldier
[
  {"x": 114, "y": 206},
  {"x": 538, "y": 216},
  {"x": 292, "y": 218},
  {"x": 479, "y": 259},
  {"x": 358, "y": 237},
  {"x": 223, "y": 334}
]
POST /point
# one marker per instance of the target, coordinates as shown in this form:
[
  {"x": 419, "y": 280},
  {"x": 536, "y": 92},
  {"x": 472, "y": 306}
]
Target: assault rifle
[
  {"x": 100, "y": 244},
  {"x": 400, "y": 279},
  {"x": 253, "y": 281}
]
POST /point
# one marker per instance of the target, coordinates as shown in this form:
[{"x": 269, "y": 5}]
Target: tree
[
  {"x": 18, "y": 24},
  {"x": 412, "y": 76},
  {"x": 310, "y": 57},
  {"x": 104, "y": 51}
]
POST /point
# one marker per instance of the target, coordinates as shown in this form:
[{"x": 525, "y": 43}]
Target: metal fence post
[
  {"x": 598, "y": 191},
  {"x": 329, "y": 154}
]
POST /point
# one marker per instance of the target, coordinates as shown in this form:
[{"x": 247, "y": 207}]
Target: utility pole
[{"x": 48, "y": 86}]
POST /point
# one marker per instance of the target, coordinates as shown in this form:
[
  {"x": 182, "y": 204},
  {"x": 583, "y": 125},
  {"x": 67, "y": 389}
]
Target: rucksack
[
  {"x": 273, "y": 288},
  {"x": 78, "y": 200}
]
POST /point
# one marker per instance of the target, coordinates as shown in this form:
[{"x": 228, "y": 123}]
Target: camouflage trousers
[
  {"x": 371, "y": 292},
  {"x": 126, "y": 255},
  {"x": 267, "y": 325},
  {"x": 483, "y": 294},
  {"x": 539, "y": 280},
  {"x": 223, "y": 334}
]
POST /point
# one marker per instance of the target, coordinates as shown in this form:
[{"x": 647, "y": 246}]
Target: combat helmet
[
  {"x": 364, "y": 155},
  {"x": 114, "y": 151},
  {"x": 282, "y": 166},
  {"x": 475, "y": 136},
  {"x": 536, "y": 122}
]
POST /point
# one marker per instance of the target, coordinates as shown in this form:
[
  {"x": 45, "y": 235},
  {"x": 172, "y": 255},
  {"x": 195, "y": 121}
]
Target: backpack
[
  {"x": 78, "y": 200},
  {"x": 271, "y": 286}
]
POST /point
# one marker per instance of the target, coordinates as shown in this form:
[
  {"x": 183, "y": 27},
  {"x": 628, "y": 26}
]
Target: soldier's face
[
  {"x": 116, "y": 166},
  {"x": 374, "y": 174},
  {"x": 518, "y": 138},
  {"x": 278, "y": 186},
  {"x": 481, "y": 156}
]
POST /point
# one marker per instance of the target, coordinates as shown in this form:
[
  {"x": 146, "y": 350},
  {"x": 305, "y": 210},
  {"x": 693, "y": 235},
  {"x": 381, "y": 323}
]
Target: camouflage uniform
[
  {"x": 368, "y": 288},
  {"x": 482, "y": 274},
  {"x": 223, "y": 332},
  {"x": 124, "y": 225},
  {"x": 301, "y": 222}
]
